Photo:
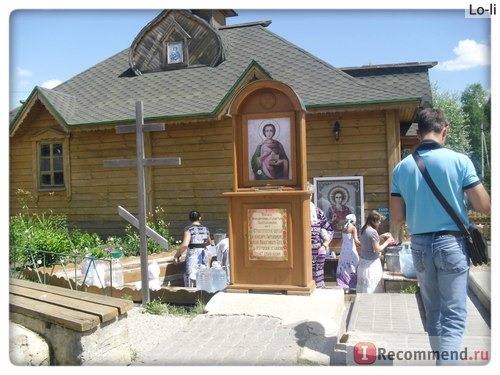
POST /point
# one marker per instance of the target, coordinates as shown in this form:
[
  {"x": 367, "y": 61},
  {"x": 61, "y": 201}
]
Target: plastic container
[
  {"x": 203, "y": 281},
  {"x": 391, "y": 258},
  {"x": 392, "y": 262},
  {"x": 117, "y": 279},
  {"x": 117, "y": 273},
  {"x": 406, "y": 263},
  {"x": 218, "y": 277},
  {"x": 94, "y": 272}
]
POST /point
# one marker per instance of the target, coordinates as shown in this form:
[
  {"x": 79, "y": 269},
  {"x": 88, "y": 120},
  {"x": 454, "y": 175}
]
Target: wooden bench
[{"x": 80, "y": 327}]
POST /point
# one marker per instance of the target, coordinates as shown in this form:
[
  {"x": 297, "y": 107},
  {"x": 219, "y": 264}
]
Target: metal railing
[{"x": 80, "y": 271}]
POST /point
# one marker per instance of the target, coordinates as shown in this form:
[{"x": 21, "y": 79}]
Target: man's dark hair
[{"x": 431, "y": 120}]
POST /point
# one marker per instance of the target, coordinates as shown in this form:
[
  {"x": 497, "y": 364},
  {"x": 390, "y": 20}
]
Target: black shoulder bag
[{"x": 477, "y": 247}]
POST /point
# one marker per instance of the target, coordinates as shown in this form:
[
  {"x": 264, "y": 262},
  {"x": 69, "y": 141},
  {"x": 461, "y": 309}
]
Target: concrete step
[
  {"x": 393, "y": 322},
  {"x": 480, "y": 285},
  {"x": 317, "y": 317}
]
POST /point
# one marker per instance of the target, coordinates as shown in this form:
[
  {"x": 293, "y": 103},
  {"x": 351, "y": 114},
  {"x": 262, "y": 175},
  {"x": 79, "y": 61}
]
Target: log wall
[{"x": 205, "y": 172}]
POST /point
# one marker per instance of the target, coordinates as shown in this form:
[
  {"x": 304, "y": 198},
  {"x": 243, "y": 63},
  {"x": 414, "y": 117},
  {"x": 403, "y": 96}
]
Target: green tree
[
  {"x": 466, "y": 113},
  {"x": 487, "y": 139},
  {"x": 476, "y": 105},
  {"x": 458, "y": 134}
]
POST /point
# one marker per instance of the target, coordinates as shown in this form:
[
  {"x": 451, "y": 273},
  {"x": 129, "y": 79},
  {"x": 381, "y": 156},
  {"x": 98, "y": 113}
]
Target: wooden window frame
[
  {"x": 52, "y": 170},
  {"x": 51, "y": 137}
]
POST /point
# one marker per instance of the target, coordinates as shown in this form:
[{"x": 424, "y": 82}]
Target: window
[{"x": 51, "y": 165}]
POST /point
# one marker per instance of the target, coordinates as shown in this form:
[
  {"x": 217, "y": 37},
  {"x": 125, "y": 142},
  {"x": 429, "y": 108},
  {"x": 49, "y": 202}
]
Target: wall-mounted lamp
[{"x": 336, "y": 130}]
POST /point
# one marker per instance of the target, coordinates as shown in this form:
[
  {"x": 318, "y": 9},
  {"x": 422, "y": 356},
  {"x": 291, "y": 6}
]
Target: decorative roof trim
[
  {"x": 36, "y": 94},
  {"x": 428, "y": 65},
  {"x": 398, "y": 104},
  {"x": 246, "y": 24},
  {"x": 314, "y": 108},
  {"x": 254, "y": 67},
  {"x": 384, "y": 101}
]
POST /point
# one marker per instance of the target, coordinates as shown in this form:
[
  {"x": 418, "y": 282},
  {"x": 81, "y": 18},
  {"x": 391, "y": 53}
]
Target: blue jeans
[{"x": 442, "y": 267}]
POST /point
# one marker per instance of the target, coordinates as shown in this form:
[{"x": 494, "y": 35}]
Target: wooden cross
[
  {"x": 151, "y": 233},
  {"x": 140, "y": 162}
]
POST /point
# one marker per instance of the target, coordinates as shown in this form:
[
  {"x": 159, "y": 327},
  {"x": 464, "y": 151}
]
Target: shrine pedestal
[
  {"x": 269, "y": 207},
  {"x": 270, "y": 242}
]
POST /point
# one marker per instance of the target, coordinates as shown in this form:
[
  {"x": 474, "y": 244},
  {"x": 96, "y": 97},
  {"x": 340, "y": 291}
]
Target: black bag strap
[{"x": 437, "y": 193}]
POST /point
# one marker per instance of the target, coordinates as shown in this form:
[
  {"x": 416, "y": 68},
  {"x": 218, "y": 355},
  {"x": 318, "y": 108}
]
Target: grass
[
  {"x": 155, "y": 307},
  {"x": 158, "y": 307},
  {"x": 410, "y": 289},
  {"x": 133, "y": 355}
]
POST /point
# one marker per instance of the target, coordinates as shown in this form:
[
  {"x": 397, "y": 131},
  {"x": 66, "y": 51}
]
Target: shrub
[
  {"x": 84, "y": 240},
  {"x": 47, "y": 236},
  {"x": 155, "y": 307},
  {"x": 32, "y": 234},
  {"x": 410, "y": 289},
  {"x": 131, "y": 242}
]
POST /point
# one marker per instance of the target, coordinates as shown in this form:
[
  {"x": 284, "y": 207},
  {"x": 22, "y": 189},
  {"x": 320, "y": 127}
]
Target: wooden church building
[{"x": 186, "y": 67}]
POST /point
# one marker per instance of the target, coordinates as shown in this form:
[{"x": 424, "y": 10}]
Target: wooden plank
[
  {"x": 122, "y": 129},
  {"x": 149, "y": 231},
  {"x": 75, "y": 320},
  {"x": 120, "y": 163},
  {"x": 175, "y": 188},
  {"x": 105, "y": 313},
  {"x": 121, "y": 304},
  {"x": 152, "y": 162}
]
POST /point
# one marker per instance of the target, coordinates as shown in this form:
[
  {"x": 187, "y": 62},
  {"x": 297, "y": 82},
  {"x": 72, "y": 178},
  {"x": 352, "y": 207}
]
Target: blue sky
[{"x": 47, "y": 47}]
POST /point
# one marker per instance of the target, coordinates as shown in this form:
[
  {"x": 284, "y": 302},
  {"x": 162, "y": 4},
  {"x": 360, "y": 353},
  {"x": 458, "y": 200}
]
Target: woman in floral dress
[
  {"x": 321, "y": 235},
  {"x": 349, "y": 258}
]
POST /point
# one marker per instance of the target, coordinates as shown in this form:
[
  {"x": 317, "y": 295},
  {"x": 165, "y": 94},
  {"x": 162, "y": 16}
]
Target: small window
[{"x": 51, "y": 165}]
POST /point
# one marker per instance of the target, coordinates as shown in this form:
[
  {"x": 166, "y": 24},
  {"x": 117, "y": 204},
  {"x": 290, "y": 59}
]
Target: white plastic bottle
[
  {"x": 96, "y": 273},
  {"x": 218, "y": 277},
  {"x": 117, "y": 273},
  {"x": 117, "y": 279},
  {"x": 203, "y": 278}
]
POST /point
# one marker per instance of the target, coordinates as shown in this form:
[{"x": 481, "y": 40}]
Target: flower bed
[{"x": 170, "y": 280}]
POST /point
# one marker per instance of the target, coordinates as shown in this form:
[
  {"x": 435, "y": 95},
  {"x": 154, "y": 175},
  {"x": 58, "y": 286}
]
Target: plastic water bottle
[
  {"x": 117, "y": 279},
  {"x": 96, "y": 273},
  {"x": 117, "y": 273},
  {"x": 203, "y": 278},
  {"x": 218, "y": 277}
]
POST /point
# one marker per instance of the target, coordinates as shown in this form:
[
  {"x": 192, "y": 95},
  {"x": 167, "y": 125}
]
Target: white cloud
[
  {"x": 51, "y": 83},
  {"x": 20, "y": 72},
  {"x": 470, "y": 54}
]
